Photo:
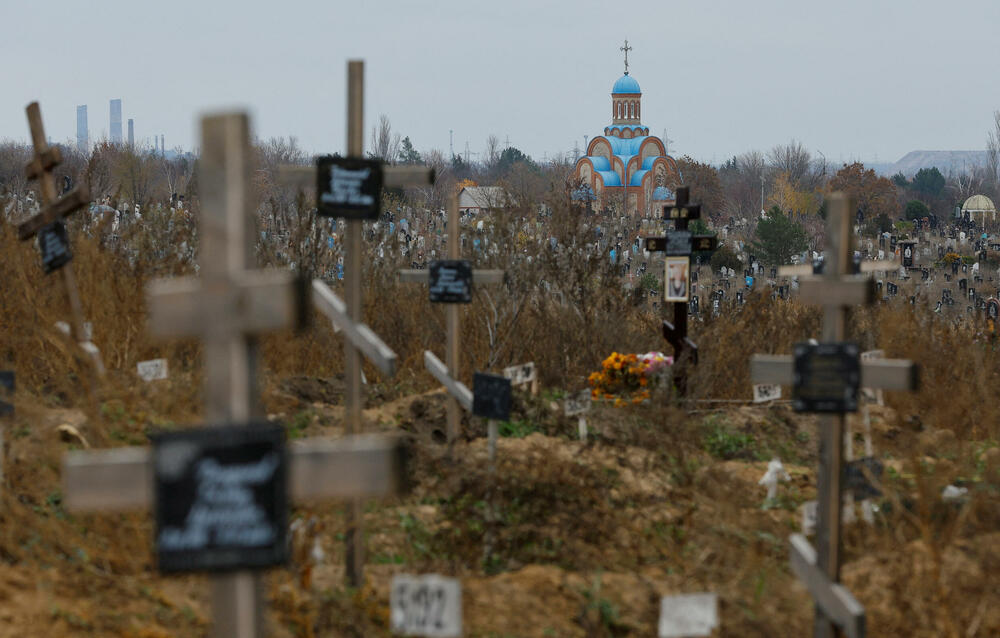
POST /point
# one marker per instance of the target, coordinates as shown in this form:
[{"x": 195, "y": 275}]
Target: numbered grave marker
[
  {"x": 578, "y": 405},
  {"x": 348, "y": 187},
  {"x": 451, "y": 281},
  {"x": 152, "y": 370},
  {"x": 426, "y": 606},
  {"x": 220, "y": 498},
  {"x": 522, "y": 375},
  {"x": 764, "y": 392},
  {"x": 688, "y": 615},
  {"x": 827, "y": 377}
]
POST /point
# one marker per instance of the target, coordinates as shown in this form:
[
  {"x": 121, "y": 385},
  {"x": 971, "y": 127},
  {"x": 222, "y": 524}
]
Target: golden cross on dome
[{"x": 626, "y": 49}]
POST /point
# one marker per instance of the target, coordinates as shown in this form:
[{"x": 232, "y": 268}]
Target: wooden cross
[
  {"x": 347, "y": 315},
  {"x": 452, "y": 371},
  {"x": 676, "y": 333},
  {"x": 54, "y": 209},
  {"x": 836, "y": 609},
  {"x": 228, "y": 308}
]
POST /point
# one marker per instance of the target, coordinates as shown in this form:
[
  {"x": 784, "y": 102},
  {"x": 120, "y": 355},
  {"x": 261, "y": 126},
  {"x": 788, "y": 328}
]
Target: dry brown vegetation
[{"x": 663, "y": 499}]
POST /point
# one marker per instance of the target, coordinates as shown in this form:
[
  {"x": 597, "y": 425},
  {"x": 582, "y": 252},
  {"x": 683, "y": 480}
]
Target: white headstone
[
  {"x": 809, "y": 511},
  {"x": 688, "y": 615}
]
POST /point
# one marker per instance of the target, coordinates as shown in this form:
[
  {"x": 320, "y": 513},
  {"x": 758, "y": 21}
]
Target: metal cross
[
  {"x": 836, "y": 609},
  {"x": 676, "y": 333},
  {"x": 626, "y": 49},
  {"x": 228, "y": 308}
]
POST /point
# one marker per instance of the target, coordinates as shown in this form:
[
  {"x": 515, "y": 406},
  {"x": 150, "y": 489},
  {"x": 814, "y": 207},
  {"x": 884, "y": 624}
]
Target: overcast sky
[{"x": 868, "y": 79}]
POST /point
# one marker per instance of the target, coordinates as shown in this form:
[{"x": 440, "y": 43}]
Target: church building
[{"x": 627, "y": 167}]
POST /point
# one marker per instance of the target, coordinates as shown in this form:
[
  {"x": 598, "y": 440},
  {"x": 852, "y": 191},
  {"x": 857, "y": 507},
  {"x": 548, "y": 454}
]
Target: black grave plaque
[
  {"x": 679, "y": 243},
  {"x": 348, "y": 187},
  {"x": 221, "y": 498},
  {"x": 451, "y": 281},
  {"x": 704, "y": 243},
  {"x": 53, "y": 242},
  {"x": 656, "y": 244},
  {"x": 491, "y": 396},
  {"x": 856, "y": 477},
  {"x": 827, "y": 376},
  {"x": 7, "y": 385}
]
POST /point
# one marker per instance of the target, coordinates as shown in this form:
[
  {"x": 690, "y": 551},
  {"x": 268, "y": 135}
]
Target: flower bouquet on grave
[{"x": 628, "y": 378}]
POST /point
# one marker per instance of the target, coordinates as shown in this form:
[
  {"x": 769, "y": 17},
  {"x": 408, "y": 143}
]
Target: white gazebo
[{"x": 982, "y": 205}]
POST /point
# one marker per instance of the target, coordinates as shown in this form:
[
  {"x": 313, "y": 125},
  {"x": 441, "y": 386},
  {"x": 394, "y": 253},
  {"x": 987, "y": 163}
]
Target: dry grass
[{"x": 645, "y": 499}]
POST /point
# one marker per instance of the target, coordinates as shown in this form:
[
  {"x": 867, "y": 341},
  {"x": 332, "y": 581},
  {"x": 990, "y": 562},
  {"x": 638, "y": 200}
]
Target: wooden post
[
  {"x": 54, "y": 209},
  {"x": 354, "y": 549},
  {"x": 835, "y": 289}
]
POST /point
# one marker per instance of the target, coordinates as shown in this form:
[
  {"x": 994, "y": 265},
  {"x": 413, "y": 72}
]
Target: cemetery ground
[{"x": 662, "y": 498}]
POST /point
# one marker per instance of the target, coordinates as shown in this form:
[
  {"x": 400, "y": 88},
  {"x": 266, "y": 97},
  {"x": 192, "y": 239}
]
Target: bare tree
[
  {"x": 794, "y": 160},
  {"x": 385, "y": 143},
  {"x": 492, "y": 151},
  {"x": 993, "y": 153}
]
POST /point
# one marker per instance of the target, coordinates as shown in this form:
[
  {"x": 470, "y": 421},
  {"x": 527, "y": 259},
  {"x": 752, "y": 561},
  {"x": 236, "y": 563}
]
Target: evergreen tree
[{"x": 778, "y": 238}]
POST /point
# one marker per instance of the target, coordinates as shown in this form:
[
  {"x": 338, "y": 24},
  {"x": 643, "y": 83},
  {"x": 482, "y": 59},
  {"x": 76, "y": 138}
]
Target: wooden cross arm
[
  {"x": 264, "y": 300},
  {"x": 392, "y": 176},
  {"x": 43, "y": 161},
  {"x": 352, "y": 467},
  {"x": 455, "y": 388},
  {"x": 881, "y": 265},
  {"x": 360, "y": 335},
  {"x": 805, "y": 270},
  {"x": 846, "y": 291},
  {"x": 66, "y": 205},
  {"x": 885, "y": 374},
  {"x": 478, "y": 276},
  {"x": 837, "y": 603}
]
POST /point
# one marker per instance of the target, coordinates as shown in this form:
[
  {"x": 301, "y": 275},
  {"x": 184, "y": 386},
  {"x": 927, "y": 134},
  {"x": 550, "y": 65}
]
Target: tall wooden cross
[
  {"x": 680, "y": 244},
  {"x": 825, "y": 379},
  {"x": 228, "y": 308},
  {"x": 348, "y": 315},
  {"x": 452, "y": 369},
  {"x": 49, "y": 226}
]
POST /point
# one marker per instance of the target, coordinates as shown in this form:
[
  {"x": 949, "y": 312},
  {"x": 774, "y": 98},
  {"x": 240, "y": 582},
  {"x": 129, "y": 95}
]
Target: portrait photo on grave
[{"x": 677, "y": 279}]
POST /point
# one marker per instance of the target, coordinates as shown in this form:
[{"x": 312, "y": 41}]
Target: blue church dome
[{"x": 626, "y": 84}]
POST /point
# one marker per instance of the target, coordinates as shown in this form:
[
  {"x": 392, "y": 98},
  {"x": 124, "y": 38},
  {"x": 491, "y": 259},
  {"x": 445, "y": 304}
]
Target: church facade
[{"x": 627, "y": 168}]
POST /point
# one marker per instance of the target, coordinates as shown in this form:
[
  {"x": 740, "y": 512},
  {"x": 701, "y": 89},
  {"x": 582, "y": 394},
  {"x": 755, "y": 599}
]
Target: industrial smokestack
[
  {"x": 82, "y": 134},
  {"x": 116, "y": 121},
  {"x": 131, "y": 133}
]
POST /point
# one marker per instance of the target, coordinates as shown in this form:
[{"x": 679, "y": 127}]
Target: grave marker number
[{"x": 426, "y": 606}]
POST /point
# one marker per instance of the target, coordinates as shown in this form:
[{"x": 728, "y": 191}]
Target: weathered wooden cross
[
  {"x": 348, "y": 316},
  {"x": 826, "y": 378},
  {"x": 681, "y": 243},
  {"x": 228, "y": 308},
  {"x": 459, "y": 395},
  {"x": 48, "y": 224}
]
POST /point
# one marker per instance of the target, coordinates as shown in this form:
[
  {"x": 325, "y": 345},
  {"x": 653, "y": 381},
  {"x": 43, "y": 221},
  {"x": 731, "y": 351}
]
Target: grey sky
[{"x": 854, "y": 79}]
